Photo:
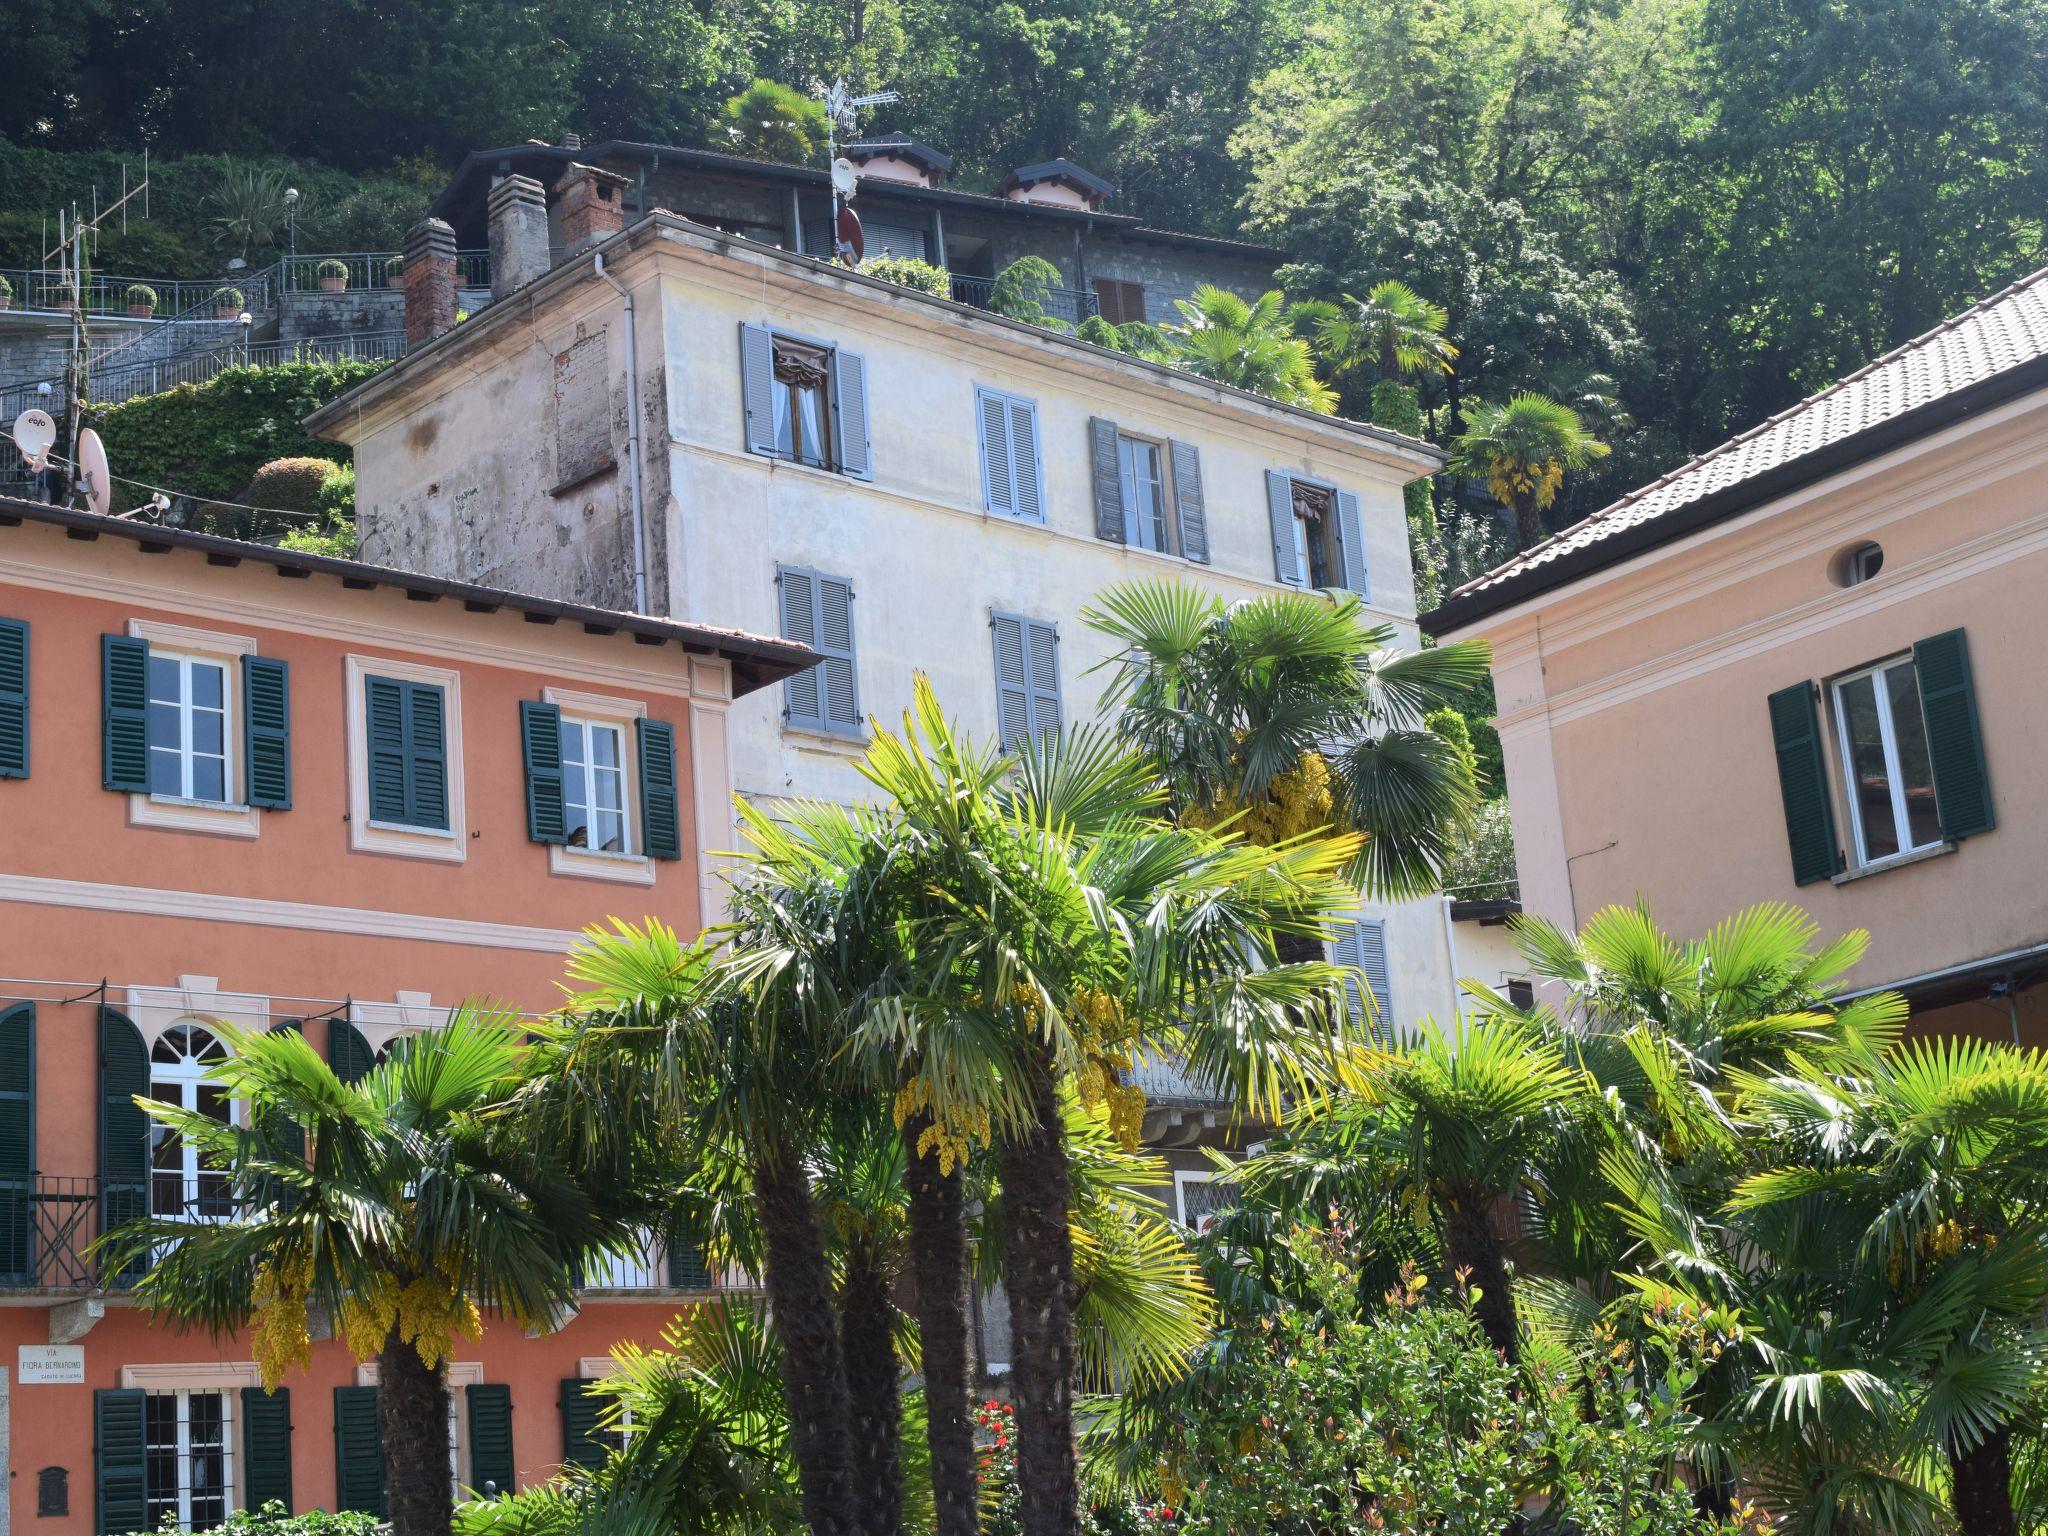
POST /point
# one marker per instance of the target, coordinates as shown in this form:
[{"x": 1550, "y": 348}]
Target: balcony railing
[
  {"x": 1166, "y": 1080},
  {"x": 1073, "y": 305},
  {"x": 46, "y": 1225}
]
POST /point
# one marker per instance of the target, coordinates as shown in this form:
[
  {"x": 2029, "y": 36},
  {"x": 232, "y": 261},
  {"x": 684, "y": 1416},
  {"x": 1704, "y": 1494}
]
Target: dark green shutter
[
  {"x": 661, "y": 827},
  {"x": 13, "y": 699},
  {"x": 492, "y": 1470},
  {"x": 267, "y": 732},
  {"x": 686, "y": 1267},
  {"x": 408, "y": 742},
  {"x": 17, "y": 1142},
  {"x": 1803, "y": 781},
  {"x": 287, "y": 1136},
  {"x": 266, "y": 1447},
  {"x": 358, "y": 1451},
  {"x": 124, "y": 1130},
  {"x": 1955, "y": 739},
  {"x": 124, "y": 695},
  {"x": 120, "y": 1499},
  {"x": 582, "y": 1444},
  {"x": 540, "y": 741},
  {"x": 348, "y": 1053}
]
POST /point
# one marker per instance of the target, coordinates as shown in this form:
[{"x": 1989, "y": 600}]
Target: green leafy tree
[{"x": 1523, "y": 450}]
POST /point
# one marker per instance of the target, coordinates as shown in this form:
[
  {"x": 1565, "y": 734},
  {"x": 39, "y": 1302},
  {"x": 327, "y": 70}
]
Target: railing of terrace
[
  {"x": 46, "y": 1225},
  {"x": 1072, "y": 305}
]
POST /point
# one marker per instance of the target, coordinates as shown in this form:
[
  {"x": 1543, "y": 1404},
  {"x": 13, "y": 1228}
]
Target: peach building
[
  {"x": 275, "y": 789},
  {"x": 1807, "y": 667}
]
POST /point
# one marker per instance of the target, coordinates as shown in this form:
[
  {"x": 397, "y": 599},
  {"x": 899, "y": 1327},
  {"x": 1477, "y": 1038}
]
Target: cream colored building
[
  {"x": 682, "y": 421},
  {"x": 1808, "y": 667}
]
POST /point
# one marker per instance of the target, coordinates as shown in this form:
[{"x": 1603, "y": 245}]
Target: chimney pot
[
  {"x": 517, "y": 214},
  {"x": 428, "y": 278},
  {"x": 593, "y": 207}
]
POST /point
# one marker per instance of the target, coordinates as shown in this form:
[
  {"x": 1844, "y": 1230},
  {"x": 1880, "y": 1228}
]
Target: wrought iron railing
[
  {"x": 372, "y": 269},
  {"x": 1167, "y": 1080},
  {"x": 1073, "y": 305},
  {"x": 47, "y": 1224},
  {"x": 106, "y": 293},
  {"x": 109, "y": 385}
]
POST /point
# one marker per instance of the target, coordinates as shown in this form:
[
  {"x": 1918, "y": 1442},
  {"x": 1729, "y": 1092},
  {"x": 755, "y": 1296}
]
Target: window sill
[
  {"x": 600, "y": 864},
  {"x": 577, "y": 482},
  {"x": 407, "y": 841},
  {"x": 1896, "y": 861},
  {"x": 844, "y": 743},
  {"x": 176, "y": 814},
  {"x": 784, "y": 460}
]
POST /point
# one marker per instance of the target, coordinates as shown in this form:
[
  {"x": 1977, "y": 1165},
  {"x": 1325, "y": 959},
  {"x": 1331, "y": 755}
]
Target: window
[
  {"x": 1312, "y": 523},
  {"x": 196, "y": 728},
  {"x": 594, "y": 785},
  {"x": 183, "y": 1183},
  {"x": 806, "y": 401},
  {"x": 1318, "y": 535},
  {"x": 1141, "y": 475},
  {"x": 1027, "y": 679},
  {"x": 817, "y": 610},
  {"x": 799, "y": 393},
  {"x": 188, "y": 728},
  {"x": 1882, "y": 738},
  {"x": 1858, "y": 564},
  {"x": 1199, "y": 1199},
  {"x": 1010, "y": 478},
  {"x": 405, "y": 791},
  {"x": 188, "y": 1459},
  {"x": 1119, "y": 301}
]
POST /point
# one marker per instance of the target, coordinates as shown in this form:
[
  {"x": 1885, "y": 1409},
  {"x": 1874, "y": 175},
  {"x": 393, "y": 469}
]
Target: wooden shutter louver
[
  {"x": 540, "y": 745},
  {"x": 1280, "y": 513},
  {"x": 17, "y": 1143},
  {"x": 1351, "y": 545},
  {"x": 1027, "y": 679},
  {"x": 661, "y": 827},
  {"x": 835, "y": 639},
  {"x": 266, "y": 1447},
  {"x": 406, "y": 724},
  {"x": 124, "y": 684},
  {"x": 13, "y": 699},
  {"x": 1024, "y": 460},
  {"x": 348, "y": 1053},
  {"x": 358, "y": 1451},
  {"x": 1955, "y": 736},
  {"x": 687, "y": 1270},
  {"x": 1190, "y": 510},
  {"x": 998, "y": 493},
  {"x": 757, "y": 387},
  {"x": 1803, "y": 784},
  {"x": 1372, "y": 960},
  {"x": 492, "y": 1468},
  {"x": 582, "y": 1442},
  {"x": 1105, "y": 480},
  {"x": 801, "y": 693},
  {"x": 850, "y": 414},
  {"x": 267, "y": 732},
  {"x": 120, "y": 1463},
  {"x": 124, "y": 1129}
]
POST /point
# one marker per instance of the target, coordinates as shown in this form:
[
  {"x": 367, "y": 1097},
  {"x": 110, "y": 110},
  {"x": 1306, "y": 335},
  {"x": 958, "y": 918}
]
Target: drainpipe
[
  {"x": 632, "y": 436},
  {"x": 1451, "y": 954}
]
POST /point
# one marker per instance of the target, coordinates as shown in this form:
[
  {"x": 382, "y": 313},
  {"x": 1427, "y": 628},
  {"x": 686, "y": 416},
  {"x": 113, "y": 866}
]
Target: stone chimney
[
  {"x": 517, "y": 212},
  {"x": 593, "y": 207},
  {"x": 428, "y": 278}
]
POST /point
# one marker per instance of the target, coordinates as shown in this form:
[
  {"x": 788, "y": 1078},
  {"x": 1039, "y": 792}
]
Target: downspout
[
  {"x": 1451, "y": 955},
  {"x": 632, "y": 436}
]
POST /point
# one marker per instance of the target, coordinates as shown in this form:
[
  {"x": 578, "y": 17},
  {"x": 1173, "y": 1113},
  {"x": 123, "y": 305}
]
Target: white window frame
[
  {"x": 1137, "y": 533},
  {"x": 1182, "y": 1178},
  {"x": 182, "y": 1449},
  {"x": 449, "y": 845},
  {"x": 224, "y": 1377},
  {"x": 231, "y": 817},
  {"x": 1887, "y": 735},
  {"x": 633, "y": 867},
  {"x": 189, "y": 1076}
]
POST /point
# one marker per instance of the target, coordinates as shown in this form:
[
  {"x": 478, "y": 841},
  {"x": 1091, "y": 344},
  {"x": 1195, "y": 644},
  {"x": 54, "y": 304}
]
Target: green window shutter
[
  {"x": 358, "y": 1451},
  {"x": 1803, "y": 781},
  {"x": 1190, "y": 510},
  {"x": 120, "y": 1499},
  {"x": 1105, "y": 480},
  {"x": 13, "y": 699},
  {"x": 266, "y": 1447},
  {"x": 757, "y": 386},
  {"x": 348, "y": 1053},
  {"x": 267, "y": 732},
  {"x": 582, "y": 1442},
  {"x": 686, "y": 1268},
  {"x": 124, "y": 1129},
  {"x": 661, "y": 824},
  {"x": 492, "y": 1469},
  {"x": 124, "y": 686},
  {"x": 384, "y": 726},
  {"x": 17, "y": 1142},
  {"x": 802, "y": 696},
  {"x": 540, "y": 741},
  {"x": 1955, "y": 738},
  {"x": 1280, "y": 513},
  {"x": 426, "y": 729},
  {"x": 407, "y": 727},
  {"x": 850, "y": 414},
  {"x": 1351, "y": 545}
]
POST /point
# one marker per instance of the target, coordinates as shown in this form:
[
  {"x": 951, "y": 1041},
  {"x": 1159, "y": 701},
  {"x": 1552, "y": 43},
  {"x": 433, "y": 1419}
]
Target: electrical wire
[{"x": 331, "y": 1007}]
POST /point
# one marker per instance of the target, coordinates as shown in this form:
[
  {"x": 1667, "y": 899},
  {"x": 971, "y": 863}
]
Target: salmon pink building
[{"x": 244, "y": 785}]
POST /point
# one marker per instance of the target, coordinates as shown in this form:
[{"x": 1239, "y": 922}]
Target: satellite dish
[
  {"x": 845, "y": 179},
  {"x": 852, "y": 243},
  {"x": 35, "y": 434},
  {"x": 93, "y": 478}
]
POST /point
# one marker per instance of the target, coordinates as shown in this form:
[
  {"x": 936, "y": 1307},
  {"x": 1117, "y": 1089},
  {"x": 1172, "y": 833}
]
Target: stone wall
[
  {"x": 356, "y": 311},
  {"x": 1172, "y": 272}
]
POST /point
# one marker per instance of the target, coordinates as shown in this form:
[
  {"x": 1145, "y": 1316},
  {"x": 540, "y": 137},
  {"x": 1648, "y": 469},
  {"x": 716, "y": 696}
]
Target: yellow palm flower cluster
[
  {"x": 1511, "y": 477},
  {"x": 1103, "y": 1030},
  {"x": 280, "y": 1338},
  {"x": 1299, "y": 801},
  {"x": 952, "y": 1131},
  {"x": 428, "y": 1313}
]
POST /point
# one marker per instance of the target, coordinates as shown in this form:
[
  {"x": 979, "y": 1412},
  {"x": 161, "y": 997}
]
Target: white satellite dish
[
  {"x": 844, "y": 177},
  {"x": 35, "y": 434},
  {"x": 93, "y": 478}
]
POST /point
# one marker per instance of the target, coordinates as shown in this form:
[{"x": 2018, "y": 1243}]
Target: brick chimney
[
  {"x": 517, "y": 213},
  {"x": 593, "y": 206},
  {"x": 428, "y": 278}
]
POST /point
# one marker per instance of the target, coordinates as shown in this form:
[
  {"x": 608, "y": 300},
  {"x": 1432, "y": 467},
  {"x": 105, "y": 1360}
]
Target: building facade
[
  {"x": 908, "y": 485},
  {"x": 1806, "y": 667},
  {"x": 274, "y": 790}
]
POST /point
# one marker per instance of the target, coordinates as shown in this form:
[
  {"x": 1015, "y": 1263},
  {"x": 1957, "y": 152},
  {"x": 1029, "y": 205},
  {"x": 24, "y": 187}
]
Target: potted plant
[
  {"x": 141, "y": 300},
  {"x": 333, "y": 276},
  {"x": 394, "y": 272},
  {"x": 6, "y": 294},
  {"x": 227, "y": 303}
]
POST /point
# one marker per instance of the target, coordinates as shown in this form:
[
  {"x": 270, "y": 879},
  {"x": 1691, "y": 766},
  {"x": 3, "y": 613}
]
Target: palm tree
[
  {"x": 1295, "y": 711},
  {"x": 1524, "y": 449},
  {"x": 1395, "y": 329},
  {"x": 1248, "y": 345},
  {"x": 396, "y": 1194},
  {"x": 771, "y": 121}
]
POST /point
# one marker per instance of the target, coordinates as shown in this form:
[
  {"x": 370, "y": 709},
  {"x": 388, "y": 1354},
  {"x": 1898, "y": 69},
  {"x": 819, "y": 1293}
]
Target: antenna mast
[{"x": 839, "y": 111}]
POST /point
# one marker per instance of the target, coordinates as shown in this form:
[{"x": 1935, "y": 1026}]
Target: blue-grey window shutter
[
  {"x": 1803, "y": 782},
  {"x": 1280, "y": 511},
  {"x": 850, "y": 414},
  {"x": 120, "y": 1462},
  {"x": 1955, "y": 737},
  {"x": 757, "y": 386},
  {"x": 1024, "y": 471},
  {"x": 1106, "y": 480},
  {"x": 998, "y": 485},
  {"x": 661, "y": 826},
  {"x": 266, "y": 1447},
  {"x": 492, "y": 1467},
  {"x": 1351, "y": 545},
  {"x": 802, "y": 701},
  {"x": 835, "y": 641},
  {"x": 1190, "y": 510},
  {"x": 1027, "y": 679},
  {"x": 124, "y": 1129},
  {"x": 13, "y": 699},
  {"x": 124, "y": 684},
  {"x": 1372, "y": 960},
  {"x": 17, "y": 1143},
  {"x": 267, "y": 732},
  {"x": 540, "y": 743}
]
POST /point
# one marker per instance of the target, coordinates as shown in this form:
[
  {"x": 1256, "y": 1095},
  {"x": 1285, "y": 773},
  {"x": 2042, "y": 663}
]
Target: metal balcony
[
  {"x": 1072, "y": 305},
  {"x": 46, "y": 1225}
]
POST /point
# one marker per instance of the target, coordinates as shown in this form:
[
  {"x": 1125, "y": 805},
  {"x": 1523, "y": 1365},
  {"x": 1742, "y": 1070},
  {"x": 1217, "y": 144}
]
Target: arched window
[{"x": 181, "y": 1181}]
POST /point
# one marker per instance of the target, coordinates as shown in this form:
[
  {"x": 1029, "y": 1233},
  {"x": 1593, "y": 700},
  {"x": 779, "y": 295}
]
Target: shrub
[
  {"x": 394, "y": 271},
  {"x": 332, "y": 268},
  {"x": 1101, "y": 333},
  {"x": 227, "y": 298},
  {"x": 273, "y": 1519},
  {"x": 142, "y": 295},
  {"x": 290, "y": 485},
  {"x": 1021, "y": 290},
  {"x": 6, "y": 288},
  {"x": 909, "y": 272}
]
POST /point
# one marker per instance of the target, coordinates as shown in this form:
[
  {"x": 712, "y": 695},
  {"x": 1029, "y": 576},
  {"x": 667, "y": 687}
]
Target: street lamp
[{"x": 291, "y": 218}]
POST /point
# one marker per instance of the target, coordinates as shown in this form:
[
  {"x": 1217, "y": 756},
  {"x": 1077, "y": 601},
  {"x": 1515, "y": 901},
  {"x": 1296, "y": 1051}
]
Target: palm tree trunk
[
  {"x": 412, "y": 1411},
  {"x": 1980, "y": 1488},
  {"x": 868, "y": 1345},
  {"x": 799, "y": 1285},
  {"x": 1528, "y": 522},
  {"x": 1039, "y": 1260},
  {"x": 1476, "y": 1250},
  {"x": 938, "y": 1259}
]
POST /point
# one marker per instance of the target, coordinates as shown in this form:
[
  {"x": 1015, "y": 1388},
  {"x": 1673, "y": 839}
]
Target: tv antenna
[{"x": 840, "y": 110}]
